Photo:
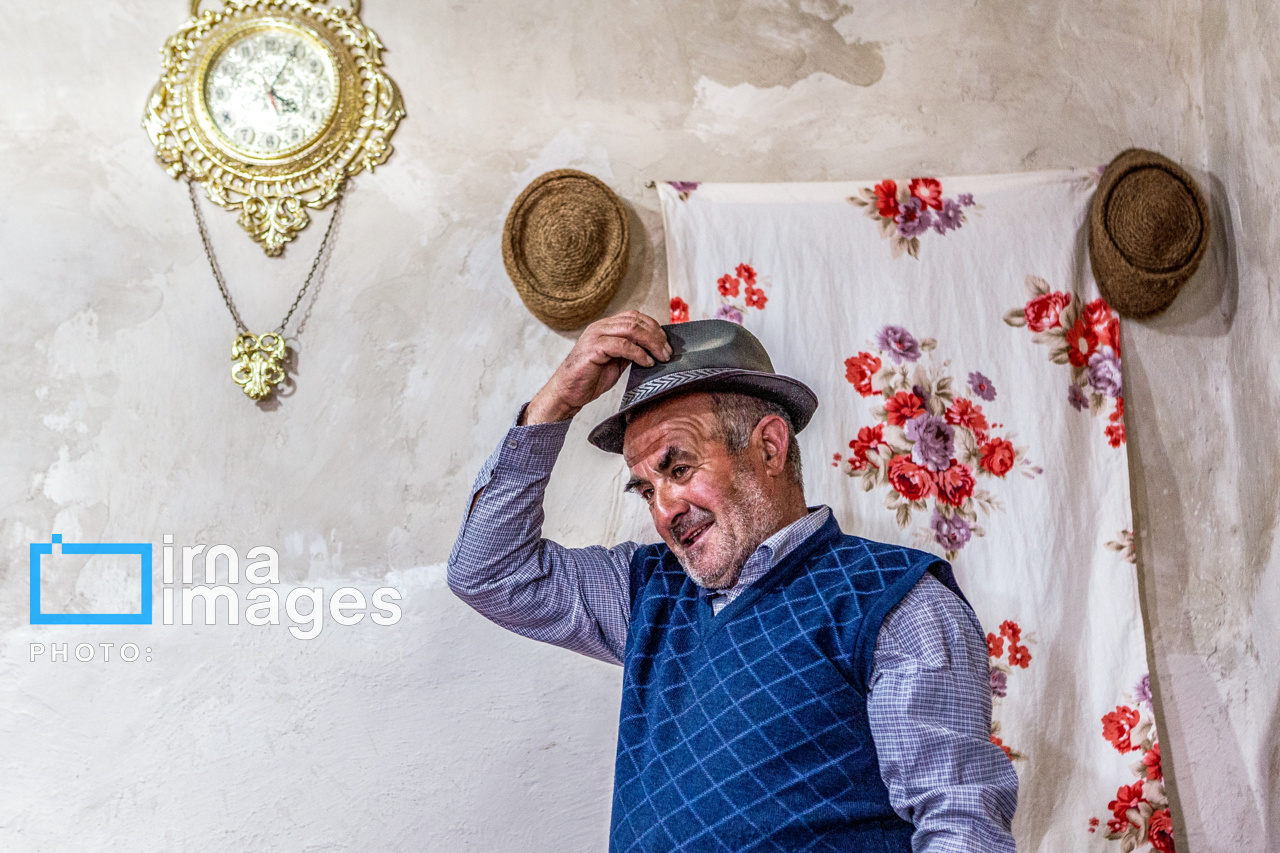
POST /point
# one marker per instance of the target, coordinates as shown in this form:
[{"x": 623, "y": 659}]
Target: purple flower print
[
  {"x": 934, "y": 441},
  {"x": 683, "y": 188},
  {"x": 921, "y": 392},
  {"x": 1104, "y": 372},
  {"x": 949, "y": 218},
  {"x": 913, "y": 219},
  {"x": 982, "y": 386},
  {"x": 1076, "y": 397},
  {"x": 951, "y": 533},
  {"x": 728, "y": 312},
  {"x": 900, "y": 344},
  {"x": 965, "y": 199},
  {"x": 999, "y": 683},
  {"x": 1142, "y": 690}
]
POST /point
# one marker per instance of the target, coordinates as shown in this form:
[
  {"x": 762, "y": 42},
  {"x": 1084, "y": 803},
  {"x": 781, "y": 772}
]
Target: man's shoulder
[
  {"x": 848, "y": 548},
  {"x": 651, "y": 553},
  {"x": 856, "y": 555}
]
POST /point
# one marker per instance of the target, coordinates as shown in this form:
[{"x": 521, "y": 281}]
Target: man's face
[{"x": 707, "y": 505}]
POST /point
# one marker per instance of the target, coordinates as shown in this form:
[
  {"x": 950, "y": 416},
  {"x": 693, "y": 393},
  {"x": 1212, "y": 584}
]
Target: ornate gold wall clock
[{"x": 271, "y": 105}]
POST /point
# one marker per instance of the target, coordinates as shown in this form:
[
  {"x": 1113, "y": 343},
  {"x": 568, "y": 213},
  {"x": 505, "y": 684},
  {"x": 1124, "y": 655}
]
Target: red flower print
[
  {"x": 1043, "y": 312},
  {"x": 928, "y": 190},
  {"x": 1105, "y": 325},
  {"x": 679, "y": 310},
  {"x": 1152, "y": 762},
  {"x": 902, "y": 407},
  {"x": 1082, "y": 342},
  {"x": 964, "y": 413},
  {"x": 1115, "y": 434},
  {"x": 869, "y": 439},
  {"x": 1117, "y": 416},
  {"x": 909, "y": 479},
  {"x": 997, "y": 456},
  {"x": 1019, "y": 656},
  {"x": 756, "y": 297},
  {"x": 746, "y": 273},
  {"x": 728, "y": 285},
  {"x": 955, "y": 484},
  {"x": 887, "y": 199},
  {"x": 1000, "y": 743},
  {"x": 1127, "y": 797},
  {"x": 1110, "y": 336},
  {"x": 995, "y": 646},
  {"x": 1160, "y": 831},
  {"x": 1010, "y": 629},
  {"x": 1093, "y": 824},
  {"x": 859, "y": 369},
  {"x": 1116, "y": 727},
  {"x": 1097, "y": 315}
]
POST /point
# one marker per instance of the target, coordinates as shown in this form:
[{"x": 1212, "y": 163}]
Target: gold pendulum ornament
[
  {"x": 259, "y": 363},
  {"x": 259, "y": 360}
]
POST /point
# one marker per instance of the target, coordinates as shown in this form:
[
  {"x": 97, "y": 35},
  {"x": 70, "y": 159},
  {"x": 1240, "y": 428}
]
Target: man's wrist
[{"x": 542, "y": 411}]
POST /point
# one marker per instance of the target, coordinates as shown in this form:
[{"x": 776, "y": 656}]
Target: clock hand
[
  {"x": 281, "y": 71},
  {"x": 271, "y": 89}
]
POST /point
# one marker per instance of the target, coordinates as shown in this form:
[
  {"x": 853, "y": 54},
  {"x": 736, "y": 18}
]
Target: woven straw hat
[
  {"x": 1148, "y": 229},
  {"x": 565, "y": 247}
]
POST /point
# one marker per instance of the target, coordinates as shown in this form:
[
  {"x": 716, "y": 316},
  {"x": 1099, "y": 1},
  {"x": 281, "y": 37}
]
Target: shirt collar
[{"x": 775, "y": 548}]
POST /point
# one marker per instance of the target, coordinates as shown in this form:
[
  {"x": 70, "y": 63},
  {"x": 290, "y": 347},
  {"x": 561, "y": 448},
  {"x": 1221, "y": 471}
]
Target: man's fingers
[
  {"x": 640, "y": 329},
  {"x": 616, "y": 346}
]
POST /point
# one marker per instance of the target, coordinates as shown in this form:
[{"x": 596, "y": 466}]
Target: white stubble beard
[{"x": 748, "y": 522}]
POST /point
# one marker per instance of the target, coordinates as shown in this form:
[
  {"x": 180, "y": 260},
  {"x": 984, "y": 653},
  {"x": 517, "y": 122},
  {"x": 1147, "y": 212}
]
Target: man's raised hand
[{"x": 596, "y": 362}]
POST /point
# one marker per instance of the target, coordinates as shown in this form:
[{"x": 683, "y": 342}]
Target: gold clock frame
[{"x": 273, "y": 194}]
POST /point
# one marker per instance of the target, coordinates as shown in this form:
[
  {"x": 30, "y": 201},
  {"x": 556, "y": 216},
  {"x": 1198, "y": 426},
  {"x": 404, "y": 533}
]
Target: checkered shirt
[{"x": 930, "y": 700}]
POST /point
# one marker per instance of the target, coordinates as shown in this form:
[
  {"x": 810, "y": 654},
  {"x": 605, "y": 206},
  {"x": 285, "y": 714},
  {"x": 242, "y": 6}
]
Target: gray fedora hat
[{"x": 707, "y": 355}]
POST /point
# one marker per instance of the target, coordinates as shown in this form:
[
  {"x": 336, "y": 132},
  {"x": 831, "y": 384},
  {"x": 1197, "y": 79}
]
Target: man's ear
[{"x": 774, "y": 436}]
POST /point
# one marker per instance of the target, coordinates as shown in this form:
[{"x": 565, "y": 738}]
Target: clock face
[{"x": 271, "y": 91}]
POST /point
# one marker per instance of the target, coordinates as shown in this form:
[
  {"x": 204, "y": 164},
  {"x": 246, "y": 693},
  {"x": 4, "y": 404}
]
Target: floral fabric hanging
[{"x": 971, "y": 404}]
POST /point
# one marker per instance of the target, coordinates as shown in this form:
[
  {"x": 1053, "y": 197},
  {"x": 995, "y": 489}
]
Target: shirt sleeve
[
  {"x": 576, "y": 598},
  {"x": 930, "y": 715}
]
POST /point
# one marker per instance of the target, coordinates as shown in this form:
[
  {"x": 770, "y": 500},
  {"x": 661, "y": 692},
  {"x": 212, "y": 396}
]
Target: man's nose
[{"x": 668, "y": 506}]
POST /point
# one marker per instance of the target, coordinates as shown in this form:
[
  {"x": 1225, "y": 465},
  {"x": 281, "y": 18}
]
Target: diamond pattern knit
[{"x": 748, "y": 730}]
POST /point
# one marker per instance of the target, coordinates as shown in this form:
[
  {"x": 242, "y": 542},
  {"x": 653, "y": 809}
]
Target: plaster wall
[{"x": 120, "y": 422}]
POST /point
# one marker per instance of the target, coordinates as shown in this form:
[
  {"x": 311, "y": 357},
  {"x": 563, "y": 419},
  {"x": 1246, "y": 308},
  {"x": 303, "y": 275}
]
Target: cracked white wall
[{"x": 121, "y": 422}]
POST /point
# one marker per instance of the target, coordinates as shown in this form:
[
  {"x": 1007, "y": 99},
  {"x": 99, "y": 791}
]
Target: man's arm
[
  {"x": 578, "y": 598},
  {"x": 930, "y": 715}
]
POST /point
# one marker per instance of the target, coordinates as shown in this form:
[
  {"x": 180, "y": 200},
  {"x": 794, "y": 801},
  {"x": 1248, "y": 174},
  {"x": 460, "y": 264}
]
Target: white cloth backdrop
[{"x": 971, "y": 405}]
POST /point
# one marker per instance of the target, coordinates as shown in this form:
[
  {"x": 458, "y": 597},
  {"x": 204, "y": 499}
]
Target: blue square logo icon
[{"x": 140, "y": 550}]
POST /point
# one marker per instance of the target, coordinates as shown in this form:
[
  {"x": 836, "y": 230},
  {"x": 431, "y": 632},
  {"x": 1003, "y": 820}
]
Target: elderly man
[{"x": 785, "y": 686}]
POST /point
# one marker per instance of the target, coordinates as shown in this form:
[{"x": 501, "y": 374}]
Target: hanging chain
[
  {"x": 213, "y": 261},
  {"x": 217, "y": 272}
]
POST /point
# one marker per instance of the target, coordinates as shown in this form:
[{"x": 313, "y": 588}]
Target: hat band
[{"x": 672, "y": 380}]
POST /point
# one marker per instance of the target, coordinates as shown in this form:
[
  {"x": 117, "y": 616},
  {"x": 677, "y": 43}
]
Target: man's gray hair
[{"x": 738, "y": 416}]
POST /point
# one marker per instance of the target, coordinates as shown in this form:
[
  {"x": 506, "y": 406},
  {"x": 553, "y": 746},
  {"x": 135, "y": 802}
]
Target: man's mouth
[{"x": 687, "y": 540}]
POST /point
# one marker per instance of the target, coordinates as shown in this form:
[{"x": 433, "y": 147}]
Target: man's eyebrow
[{"x": 671, "y": 457}]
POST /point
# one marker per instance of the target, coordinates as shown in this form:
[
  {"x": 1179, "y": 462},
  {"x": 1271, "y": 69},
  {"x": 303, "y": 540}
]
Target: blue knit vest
[{"x": 748, "y": 730}]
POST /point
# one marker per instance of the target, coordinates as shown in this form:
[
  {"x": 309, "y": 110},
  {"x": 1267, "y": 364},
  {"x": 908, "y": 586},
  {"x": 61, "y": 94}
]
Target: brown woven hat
[
  {"x": 1148, "y": 229},
  {"x": 565, "y": 247}
]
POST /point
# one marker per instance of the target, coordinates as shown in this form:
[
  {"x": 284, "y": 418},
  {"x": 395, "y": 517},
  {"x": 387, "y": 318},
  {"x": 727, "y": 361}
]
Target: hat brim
[{"x": 791, "y": 394}]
